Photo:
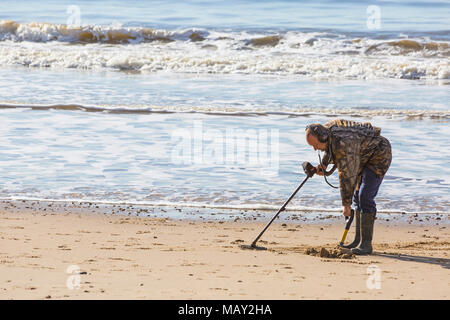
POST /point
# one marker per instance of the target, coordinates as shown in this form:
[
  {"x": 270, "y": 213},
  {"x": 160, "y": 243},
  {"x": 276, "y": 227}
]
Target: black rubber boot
[
  {"x": 367, "y": 222},
  {"x": 357, "y": 239}
]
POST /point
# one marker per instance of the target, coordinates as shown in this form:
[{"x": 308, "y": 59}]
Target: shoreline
[
  {"x": 131, "y": 257},
  {"x": 199, "y": 213}
]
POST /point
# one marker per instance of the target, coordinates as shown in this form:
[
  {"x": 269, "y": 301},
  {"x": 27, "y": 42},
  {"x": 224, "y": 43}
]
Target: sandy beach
[
  {"x": 144, "y": 143},
  {"x": 56, "y": 254}
]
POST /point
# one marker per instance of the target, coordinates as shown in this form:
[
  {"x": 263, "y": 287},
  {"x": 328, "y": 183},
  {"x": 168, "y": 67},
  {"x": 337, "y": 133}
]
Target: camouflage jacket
[{"x": 353, "y": 146}]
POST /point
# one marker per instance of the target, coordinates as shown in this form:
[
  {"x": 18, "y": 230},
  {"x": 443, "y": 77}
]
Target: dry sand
[{"x": 120, "y": 257}]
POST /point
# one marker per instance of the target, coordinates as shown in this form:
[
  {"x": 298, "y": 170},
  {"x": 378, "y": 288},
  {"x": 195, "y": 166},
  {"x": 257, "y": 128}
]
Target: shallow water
[
  {"x": 185, "y": 159},
  {"x": 208, "y": 108}
]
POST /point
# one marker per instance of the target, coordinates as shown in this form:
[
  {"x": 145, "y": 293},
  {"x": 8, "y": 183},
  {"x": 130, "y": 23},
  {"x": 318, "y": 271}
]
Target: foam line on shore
[
  {"x": 261, "y": 207},
  {"x": 299, "y": 112}
]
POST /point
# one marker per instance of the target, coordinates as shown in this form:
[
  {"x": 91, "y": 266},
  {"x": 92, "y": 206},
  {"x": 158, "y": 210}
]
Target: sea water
[{"x": 204, "y": 104}]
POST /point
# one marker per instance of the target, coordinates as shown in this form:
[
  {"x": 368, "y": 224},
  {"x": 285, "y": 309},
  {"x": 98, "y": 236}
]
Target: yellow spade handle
[{"x": 344, "y": 236}]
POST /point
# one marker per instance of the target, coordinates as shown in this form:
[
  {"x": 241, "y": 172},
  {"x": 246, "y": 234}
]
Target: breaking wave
[
  {"x": 46, "y": 32},
  {"x": 316, "y": 54}
]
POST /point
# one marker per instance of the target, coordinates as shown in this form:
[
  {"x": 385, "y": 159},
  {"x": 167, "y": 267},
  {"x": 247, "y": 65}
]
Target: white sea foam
[
  {"x": 238, "y": 111},
  {"x": 314, "y": 54}
]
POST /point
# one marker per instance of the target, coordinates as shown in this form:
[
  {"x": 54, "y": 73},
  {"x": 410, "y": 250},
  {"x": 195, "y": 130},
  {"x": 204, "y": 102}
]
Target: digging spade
[{"x": 347, "y": 227}]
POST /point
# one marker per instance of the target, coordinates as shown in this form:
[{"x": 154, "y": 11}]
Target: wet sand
[{"x": 77, "y": 254}]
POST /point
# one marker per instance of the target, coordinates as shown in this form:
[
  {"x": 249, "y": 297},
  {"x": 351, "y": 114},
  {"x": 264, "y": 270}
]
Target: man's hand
[
  {"x": 320, "y": 170},
  {"x": 347, "y": 211}
]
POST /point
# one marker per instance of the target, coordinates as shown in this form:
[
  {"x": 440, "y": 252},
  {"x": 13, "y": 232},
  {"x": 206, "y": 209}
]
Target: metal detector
[{"x": 310, "y": 170}]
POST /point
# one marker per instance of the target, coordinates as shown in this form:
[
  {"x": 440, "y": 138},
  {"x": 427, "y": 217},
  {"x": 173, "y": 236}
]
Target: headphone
[{"x": 322, "y": 135}]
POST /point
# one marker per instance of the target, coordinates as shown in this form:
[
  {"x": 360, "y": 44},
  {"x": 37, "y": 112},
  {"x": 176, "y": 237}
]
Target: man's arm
[{"x": 347, "y": 160}]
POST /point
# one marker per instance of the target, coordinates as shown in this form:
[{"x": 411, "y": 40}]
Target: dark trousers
[{"x": 364, "y": 198}]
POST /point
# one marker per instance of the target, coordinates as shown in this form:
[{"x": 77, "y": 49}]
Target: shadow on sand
[{"x": 445, "y": 263}]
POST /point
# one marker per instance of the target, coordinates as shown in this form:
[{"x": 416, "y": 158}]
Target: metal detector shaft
[{"x": 279, "y": 211}]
